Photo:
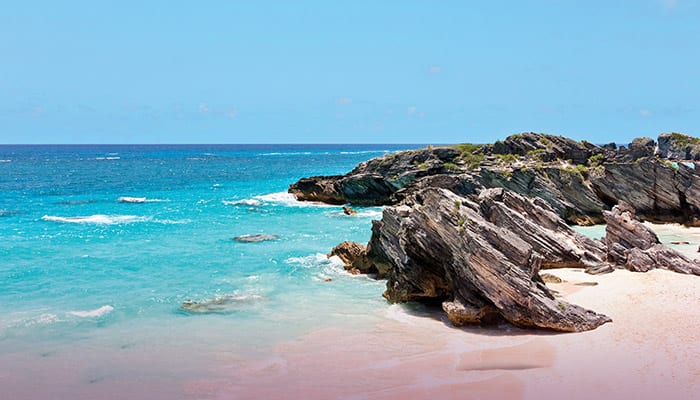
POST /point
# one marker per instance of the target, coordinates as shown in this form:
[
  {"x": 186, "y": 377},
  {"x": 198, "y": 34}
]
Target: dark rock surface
[
  {"x": 634, "y": 246},
  {"x": 677, "y": 146},
  {"x": 354, "y": 256},
  {"x": 578, "y": 179},
  {"x": 482, "y": 258}
]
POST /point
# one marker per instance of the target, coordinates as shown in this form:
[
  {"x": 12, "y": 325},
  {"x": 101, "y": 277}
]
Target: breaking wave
[{"x": 96, "y": 313}]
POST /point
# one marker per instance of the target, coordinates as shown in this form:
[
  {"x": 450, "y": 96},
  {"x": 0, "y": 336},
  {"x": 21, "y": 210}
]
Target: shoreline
[{"x": 647, "y": 352}]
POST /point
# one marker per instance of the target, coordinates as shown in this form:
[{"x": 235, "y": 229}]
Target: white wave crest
[
  {"x": 99, "y": 219},
  {"x": 126, "y": 199},
  {"x": 287, "y": 199},
  {"x": 371, "y": 213},
  {"x": 365, "y": 152},
  {"x": 244, "y": 202},
  {"x": 5, "y": 161},
  {"x": 105, "y": 158},
  {"x": 96, "y": 313}
]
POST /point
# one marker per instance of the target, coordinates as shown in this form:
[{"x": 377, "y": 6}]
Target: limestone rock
[
  {"x": 354, "y": 256},
  {"x": 634, "y": 246},
  {"x": 677, "y": 146},
  {"x": 483, "y": 255}
]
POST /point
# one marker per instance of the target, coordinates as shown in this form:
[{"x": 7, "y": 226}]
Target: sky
[{"x": 356, "y": 71}]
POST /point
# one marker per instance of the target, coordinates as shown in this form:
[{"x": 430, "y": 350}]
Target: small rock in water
[
  {"x": 349, "y": 211},
  {"x": 328, "y": 280},
  {"x": 680, "y": 242},
  {"x": 255, "y": 238},
  {"x": 221, "y": 304}
]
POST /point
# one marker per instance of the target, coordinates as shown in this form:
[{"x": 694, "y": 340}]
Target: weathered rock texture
[
  {"x": 637, "y": 248},
  {"x": 354, "y": 256},
  {"x": 578, "y": 179},
  {"x": 482, "y": 258}
]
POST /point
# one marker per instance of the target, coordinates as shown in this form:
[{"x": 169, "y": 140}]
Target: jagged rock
[
  {"x": 578, "y": 179},
  {"x": 660, "y": 192},
  {"x": 641, "y": 147},
  {"x": 255, "y": 238},
  {"x": 326, "y": 189},
  {"x": 349, "y": 211},
  {"x": 222, "y": 304},
  {"x": 677, "y": 146},
  {"x": 354, "y": 256},
  {"x": 547, "y": 147},
  {"x": 483, "y": 254},
  {"x": 634, "y": 246}
]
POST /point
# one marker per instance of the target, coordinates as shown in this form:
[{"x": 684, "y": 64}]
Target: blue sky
[{"x": 346, "y": 71}]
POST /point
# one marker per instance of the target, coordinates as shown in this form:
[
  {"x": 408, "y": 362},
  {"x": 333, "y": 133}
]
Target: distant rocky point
[
  {"x": 472, "y": 225},
  {"x": 579, "y": 180}
]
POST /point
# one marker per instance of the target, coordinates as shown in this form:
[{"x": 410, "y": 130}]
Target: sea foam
[
  {"x": 244, "y": 202},
  {"x": 96, "y": 313},
  {"x": 99, "y": 219},
  {"x": 126, "y": 199}
]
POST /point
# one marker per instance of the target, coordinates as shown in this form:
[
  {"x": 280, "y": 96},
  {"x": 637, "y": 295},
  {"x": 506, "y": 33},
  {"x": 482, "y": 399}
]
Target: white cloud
[
  {"x": 435, "y": 69},
  {"x": 645, "y": 113},
  {"x": 203, "y": 108},
  {"x": 232, "y": 113},
  {"x": 411, "y": 110},
  {"x": 343, "y": 100}
]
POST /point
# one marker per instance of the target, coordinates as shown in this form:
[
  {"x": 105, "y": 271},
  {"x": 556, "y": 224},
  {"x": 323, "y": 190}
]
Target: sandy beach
[{"x": 649, "y": 351}]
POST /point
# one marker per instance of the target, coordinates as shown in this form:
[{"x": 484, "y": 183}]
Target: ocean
[{"x": 101, "y": 244}]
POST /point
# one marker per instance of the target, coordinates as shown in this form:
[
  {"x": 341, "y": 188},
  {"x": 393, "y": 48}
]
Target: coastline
[{"x": 648, "y": 351}]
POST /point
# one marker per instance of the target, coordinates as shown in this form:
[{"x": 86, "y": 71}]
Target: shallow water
[{"x": 102, "y": 244}]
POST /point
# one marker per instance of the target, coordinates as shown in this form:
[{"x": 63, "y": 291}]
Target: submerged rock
[
  {"x": 255, "y": 238},
  {"x": 222, "y": 304},
  {"x": 482, "y": 258}
]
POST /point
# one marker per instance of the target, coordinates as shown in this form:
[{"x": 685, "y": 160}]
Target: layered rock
[
  {"x": 354, "y": 256},
  {"x": 578, "y": 179},
  {"x": 482, "y": 258},
  {"x": 676, "y": 146},
  {"x": 634, "y": 246}
]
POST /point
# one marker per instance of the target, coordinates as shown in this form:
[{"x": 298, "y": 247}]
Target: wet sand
[{"x": 650, "y": 351}]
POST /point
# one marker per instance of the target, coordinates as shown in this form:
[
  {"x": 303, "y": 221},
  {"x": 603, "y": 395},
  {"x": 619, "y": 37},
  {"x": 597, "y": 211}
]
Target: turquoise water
[{"x": 100, "y": 245}]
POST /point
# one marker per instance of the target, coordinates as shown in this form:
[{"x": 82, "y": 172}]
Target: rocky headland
[{"x": 471, "y": 226}]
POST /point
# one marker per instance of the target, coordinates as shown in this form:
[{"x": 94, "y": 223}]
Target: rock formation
[
  {"x": 354, "y": 256},
  {"x": 472, "y": 226},
  {"x": 481, "y": 258},
  {"x": 578, "y": 179},
  {"x": 637, "y": 248}
]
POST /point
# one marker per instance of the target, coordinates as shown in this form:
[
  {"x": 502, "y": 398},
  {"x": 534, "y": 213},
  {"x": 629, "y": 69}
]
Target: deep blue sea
[{"x": 100, "y": 245}]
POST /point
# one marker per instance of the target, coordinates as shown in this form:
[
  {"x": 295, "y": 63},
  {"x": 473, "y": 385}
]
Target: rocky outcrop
[
  {"x": 635, "y": 247},
  {"x": 677, "y": 146},
  {"x": 658, "y": 190},
  {"x": 482, "y": 258},
  {"x": 578, "y": 179},
  {"x": 545, "y": 147},
  {"x": 354, "y": 256}
]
